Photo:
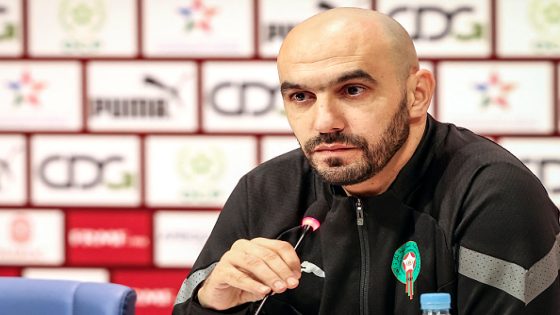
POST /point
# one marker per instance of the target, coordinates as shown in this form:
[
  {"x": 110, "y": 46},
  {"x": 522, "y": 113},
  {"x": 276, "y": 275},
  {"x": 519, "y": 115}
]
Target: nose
[{"x": 328, "y": 117}]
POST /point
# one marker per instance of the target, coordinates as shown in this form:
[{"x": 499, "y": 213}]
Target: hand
[{"x": 249, "y": 271}]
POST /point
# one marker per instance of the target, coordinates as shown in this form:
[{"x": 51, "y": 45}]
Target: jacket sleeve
[
  {"x": 232, "y": 224},
  {"x": 508, "y": 245}
]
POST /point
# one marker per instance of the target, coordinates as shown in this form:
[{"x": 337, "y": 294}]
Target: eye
[
  {"x": 300, "y": 97},
  {"x": 353, "y": 90}
]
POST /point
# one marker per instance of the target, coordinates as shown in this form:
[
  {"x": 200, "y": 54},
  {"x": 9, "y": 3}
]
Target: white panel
[
  {"x": 40, "y": 96},
  {"x": 142, "y": 96},
  {"x": 542, "y": 157},
  {"x": 273, "y": 146},
  {"x": 82, "y": 27},
  {"x": 73, "y": 274},
  {"x": 195, "y": 171},
  {"x": 444, "y": 28},
  {"x": 12, "y": 170},
  {"x": 198, "y": 28},
  {"x": 243, "y": 96},
  {"x": 528, "y": 28},
  {"x": 33, "y": 237},
  {"x": 11, "y": 28},
  {"x": 501, "y": 97},
  {"x": 86, "y": 170},
  {"x": 278, "y": 17},
  {"x": 180, "y": 236}
]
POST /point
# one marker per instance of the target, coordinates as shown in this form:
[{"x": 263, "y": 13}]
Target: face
[
  {"x": 374, "y": 156},
  {"x": 350, "y": 123}
]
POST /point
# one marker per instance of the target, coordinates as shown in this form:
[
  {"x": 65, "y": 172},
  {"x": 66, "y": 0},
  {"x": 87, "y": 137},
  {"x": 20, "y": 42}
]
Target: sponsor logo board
[
  {"x": 40, "y": 96},
  {"x": 109, "y": 237},
  {"x": 444, "y": 28},
  {"x": 180, "y": 236},
  {"x": 85, "y": 170},
  {"x": 78, "y": 28},
  {"x": 31, "y": 237},
  {"x": 528, "y": 28},
  {"x": 195, "y": 28},
  {"x": 195, "y": 171},
  {"x": 496, "y": 98},
  {"x": 137, "y": 96}
]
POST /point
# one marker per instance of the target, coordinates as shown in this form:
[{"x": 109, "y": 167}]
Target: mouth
[{"x": 333, "y": 148}]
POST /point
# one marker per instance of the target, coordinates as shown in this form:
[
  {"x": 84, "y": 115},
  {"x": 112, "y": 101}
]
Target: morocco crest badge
[{"x": 406, "y": 266}]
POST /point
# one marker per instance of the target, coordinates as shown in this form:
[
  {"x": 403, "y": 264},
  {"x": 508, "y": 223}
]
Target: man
[{"x": 411, "y": 205}]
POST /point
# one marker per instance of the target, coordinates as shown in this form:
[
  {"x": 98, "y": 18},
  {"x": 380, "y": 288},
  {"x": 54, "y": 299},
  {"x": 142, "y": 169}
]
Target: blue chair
[{"x": 23, "y": 296}]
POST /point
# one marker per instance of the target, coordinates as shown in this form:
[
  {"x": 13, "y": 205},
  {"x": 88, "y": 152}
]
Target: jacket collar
[{"x": 413, "y": 171}]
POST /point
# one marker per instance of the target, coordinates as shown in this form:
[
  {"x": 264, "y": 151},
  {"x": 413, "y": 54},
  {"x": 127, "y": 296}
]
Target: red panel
[
  {"x": 10, "y": 272},
  {"x": 156, "y": 289},
  {"x": 109, "y": 237}
]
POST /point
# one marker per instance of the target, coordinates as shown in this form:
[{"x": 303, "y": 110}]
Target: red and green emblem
[{"x": 406, "y": 266}]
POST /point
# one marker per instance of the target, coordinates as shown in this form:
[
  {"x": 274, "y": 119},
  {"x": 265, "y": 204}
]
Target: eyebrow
[{"x": 356, "y": 74}]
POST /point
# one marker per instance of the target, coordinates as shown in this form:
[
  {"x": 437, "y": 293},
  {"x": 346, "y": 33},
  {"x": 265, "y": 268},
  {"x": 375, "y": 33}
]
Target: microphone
[{"x": 314, "y": 215}]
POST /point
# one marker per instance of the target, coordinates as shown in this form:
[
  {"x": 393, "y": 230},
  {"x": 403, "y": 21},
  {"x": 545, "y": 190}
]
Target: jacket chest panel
[{"x": 399, "y": 242}]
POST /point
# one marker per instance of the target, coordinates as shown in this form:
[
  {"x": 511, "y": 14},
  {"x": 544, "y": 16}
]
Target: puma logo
[{"x": 312, "y": 268}]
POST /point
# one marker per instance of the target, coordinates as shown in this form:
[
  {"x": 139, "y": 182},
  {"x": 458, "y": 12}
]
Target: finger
[
  {"x": 244, "y": 282},
  {"x": 227, "y": 287},
  {"x": 267, "y": 266},
  {"x": 285, "y": 250},
  {"x": 263, "y": 264}
]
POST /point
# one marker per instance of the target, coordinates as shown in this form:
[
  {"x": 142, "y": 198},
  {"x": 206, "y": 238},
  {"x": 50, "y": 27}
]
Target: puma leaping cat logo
[{"x": 312, "y": 268}]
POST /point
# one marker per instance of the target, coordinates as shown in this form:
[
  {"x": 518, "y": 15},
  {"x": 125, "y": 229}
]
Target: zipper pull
[{"x": 359, "y": 213}]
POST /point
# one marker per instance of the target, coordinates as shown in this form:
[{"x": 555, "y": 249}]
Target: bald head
[{"x": 347, "y": 31}]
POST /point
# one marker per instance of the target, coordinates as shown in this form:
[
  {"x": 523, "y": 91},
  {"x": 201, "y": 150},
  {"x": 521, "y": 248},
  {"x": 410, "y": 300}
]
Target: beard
[{"x": 375, "y": 156}]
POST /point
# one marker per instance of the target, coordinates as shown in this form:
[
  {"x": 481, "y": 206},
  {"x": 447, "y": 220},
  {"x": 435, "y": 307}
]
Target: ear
[{"x": 421, "y": 86}]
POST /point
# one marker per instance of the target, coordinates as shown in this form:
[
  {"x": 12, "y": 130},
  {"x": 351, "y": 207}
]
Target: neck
[{"x": 379, "y": 183}]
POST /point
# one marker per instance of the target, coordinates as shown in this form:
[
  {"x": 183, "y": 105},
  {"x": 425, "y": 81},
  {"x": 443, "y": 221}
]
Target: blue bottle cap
[{"x": 435, "y": 301}]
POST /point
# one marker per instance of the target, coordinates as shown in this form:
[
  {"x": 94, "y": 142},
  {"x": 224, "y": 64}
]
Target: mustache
[{"x": 335, "y": 137}]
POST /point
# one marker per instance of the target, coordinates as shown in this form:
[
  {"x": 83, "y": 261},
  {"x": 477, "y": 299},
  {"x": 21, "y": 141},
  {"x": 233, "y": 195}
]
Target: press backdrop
[{"x": 125, "y": 124}]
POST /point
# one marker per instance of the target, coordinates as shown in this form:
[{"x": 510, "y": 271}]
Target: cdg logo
[
  {"x": 543, "y": 167},
  {"x": 81, "y": 172},
  {"x": 244, "y": 98},
  {"x": 428, "y": 15}
]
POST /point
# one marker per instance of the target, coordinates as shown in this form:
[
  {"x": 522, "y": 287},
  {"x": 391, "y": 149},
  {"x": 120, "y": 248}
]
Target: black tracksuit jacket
[{"x": 484, "y": 227}]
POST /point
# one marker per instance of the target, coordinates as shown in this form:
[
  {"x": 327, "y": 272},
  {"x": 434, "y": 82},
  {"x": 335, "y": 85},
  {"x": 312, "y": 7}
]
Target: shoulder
[
  {"x": 464, "y": 154},
  {"x": 485, "y": 190},
  {"x": 504, "y": 211},
  {"x": 478, "y": 168}
]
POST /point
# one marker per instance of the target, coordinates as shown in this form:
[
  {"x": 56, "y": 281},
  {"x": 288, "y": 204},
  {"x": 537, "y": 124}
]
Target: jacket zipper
[{"x": 364, "y": 246}]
